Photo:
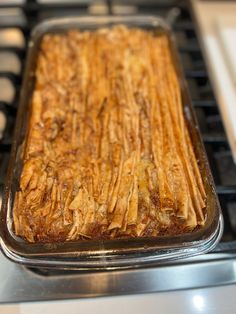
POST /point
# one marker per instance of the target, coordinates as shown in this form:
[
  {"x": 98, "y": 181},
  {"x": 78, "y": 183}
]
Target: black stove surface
[{"x": 17, "y": 18}]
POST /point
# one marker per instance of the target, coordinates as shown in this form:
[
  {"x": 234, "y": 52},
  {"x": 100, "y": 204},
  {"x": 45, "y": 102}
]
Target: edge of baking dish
[{"x": 115, "y": 253}]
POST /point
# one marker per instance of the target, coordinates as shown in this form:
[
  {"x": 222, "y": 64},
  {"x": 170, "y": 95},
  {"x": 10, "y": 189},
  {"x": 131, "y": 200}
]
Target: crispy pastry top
[{"x": 108, "y": 153}]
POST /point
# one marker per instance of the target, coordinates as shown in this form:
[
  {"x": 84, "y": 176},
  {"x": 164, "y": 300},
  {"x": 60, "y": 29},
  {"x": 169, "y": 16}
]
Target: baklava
[{"x": 108, "y": 153}]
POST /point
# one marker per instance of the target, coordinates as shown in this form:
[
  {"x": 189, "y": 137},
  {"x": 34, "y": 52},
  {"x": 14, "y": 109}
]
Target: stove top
[{"x": 21, "y": 284}]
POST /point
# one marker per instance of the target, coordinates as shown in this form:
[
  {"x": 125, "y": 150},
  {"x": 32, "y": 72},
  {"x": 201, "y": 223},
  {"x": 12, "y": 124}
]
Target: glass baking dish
[{"x": 104, "y": 254}]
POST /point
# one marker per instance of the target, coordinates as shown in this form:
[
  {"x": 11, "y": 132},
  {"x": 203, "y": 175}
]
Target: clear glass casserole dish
[{"x": 114, "y": 253}]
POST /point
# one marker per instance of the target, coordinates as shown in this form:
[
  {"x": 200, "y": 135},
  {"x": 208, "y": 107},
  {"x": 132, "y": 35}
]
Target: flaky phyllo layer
[{"x": 108, "y": 153}]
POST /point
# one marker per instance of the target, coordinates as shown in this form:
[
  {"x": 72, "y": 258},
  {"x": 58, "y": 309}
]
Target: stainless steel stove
[{"x": 18, "y": 283}]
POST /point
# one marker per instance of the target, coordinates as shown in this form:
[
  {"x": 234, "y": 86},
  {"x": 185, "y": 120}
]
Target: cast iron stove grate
[{"x": 18, "y": 17}]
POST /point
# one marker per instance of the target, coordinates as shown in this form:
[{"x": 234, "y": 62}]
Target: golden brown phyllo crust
[{"x": 108, "y": 153}]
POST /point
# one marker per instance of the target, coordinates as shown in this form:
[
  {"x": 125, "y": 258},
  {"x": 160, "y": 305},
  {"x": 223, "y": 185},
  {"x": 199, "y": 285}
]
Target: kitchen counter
[{"x": 216, "y": 31}]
